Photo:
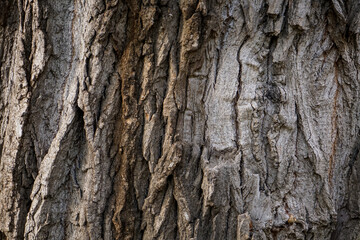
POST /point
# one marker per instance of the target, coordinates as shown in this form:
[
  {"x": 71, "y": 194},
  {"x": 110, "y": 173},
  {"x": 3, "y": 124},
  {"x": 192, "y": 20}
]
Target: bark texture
[{"x": 180, "y": 119}]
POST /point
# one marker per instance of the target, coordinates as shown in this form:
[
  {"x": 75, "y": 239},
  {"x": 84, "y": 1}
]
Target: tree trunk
[{"x": 189, "y": 119}]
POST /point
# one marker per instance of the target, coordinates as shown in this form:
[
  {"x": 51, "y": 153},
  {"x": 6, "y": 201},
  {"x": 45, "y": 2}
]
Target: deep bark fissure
[{"x": 179, "y": 119}]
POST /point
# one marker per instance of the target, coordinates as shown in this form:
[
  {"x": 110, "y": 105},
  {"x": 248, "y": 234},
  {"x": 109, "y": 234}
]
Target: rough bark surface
[{"x": 180, "y": 119}]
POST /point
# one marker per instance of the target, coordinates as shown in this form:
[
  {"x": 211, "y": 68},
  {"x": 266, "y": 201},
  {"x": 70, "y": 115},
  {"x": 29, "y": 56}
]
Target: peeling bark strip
[{"x": 189, "y": 119}]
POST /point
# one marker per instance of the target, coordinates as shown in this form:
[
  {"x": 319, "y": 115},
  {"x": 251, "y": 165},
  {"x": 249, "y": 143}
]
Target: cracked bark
[{"x": 181, "y": 119}]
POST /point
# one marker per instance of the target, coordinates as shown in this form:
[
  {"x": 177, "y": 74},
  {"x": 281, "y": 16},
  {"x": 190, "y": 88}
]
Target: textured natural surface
[{"x": 180, "y": 119}]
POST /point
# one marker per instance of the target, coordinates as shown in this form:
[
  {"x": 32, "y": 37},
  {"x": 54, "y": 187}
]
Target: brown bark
[{"x": 190, "y": 119}]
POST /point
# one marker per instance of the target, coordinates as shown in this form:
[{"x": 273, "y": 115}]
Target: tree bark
[{"x": 189, "y": 119}]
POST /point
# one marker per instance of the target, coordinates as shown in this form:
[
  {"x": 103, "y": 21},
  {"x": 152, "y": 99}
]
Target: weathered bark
[{"x": 189, "y": 119}]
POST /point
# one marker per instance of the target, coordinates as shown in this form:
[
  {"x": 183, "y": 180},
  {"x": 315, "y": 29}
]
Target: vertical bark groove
[{"x": 165, "y": 119}]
